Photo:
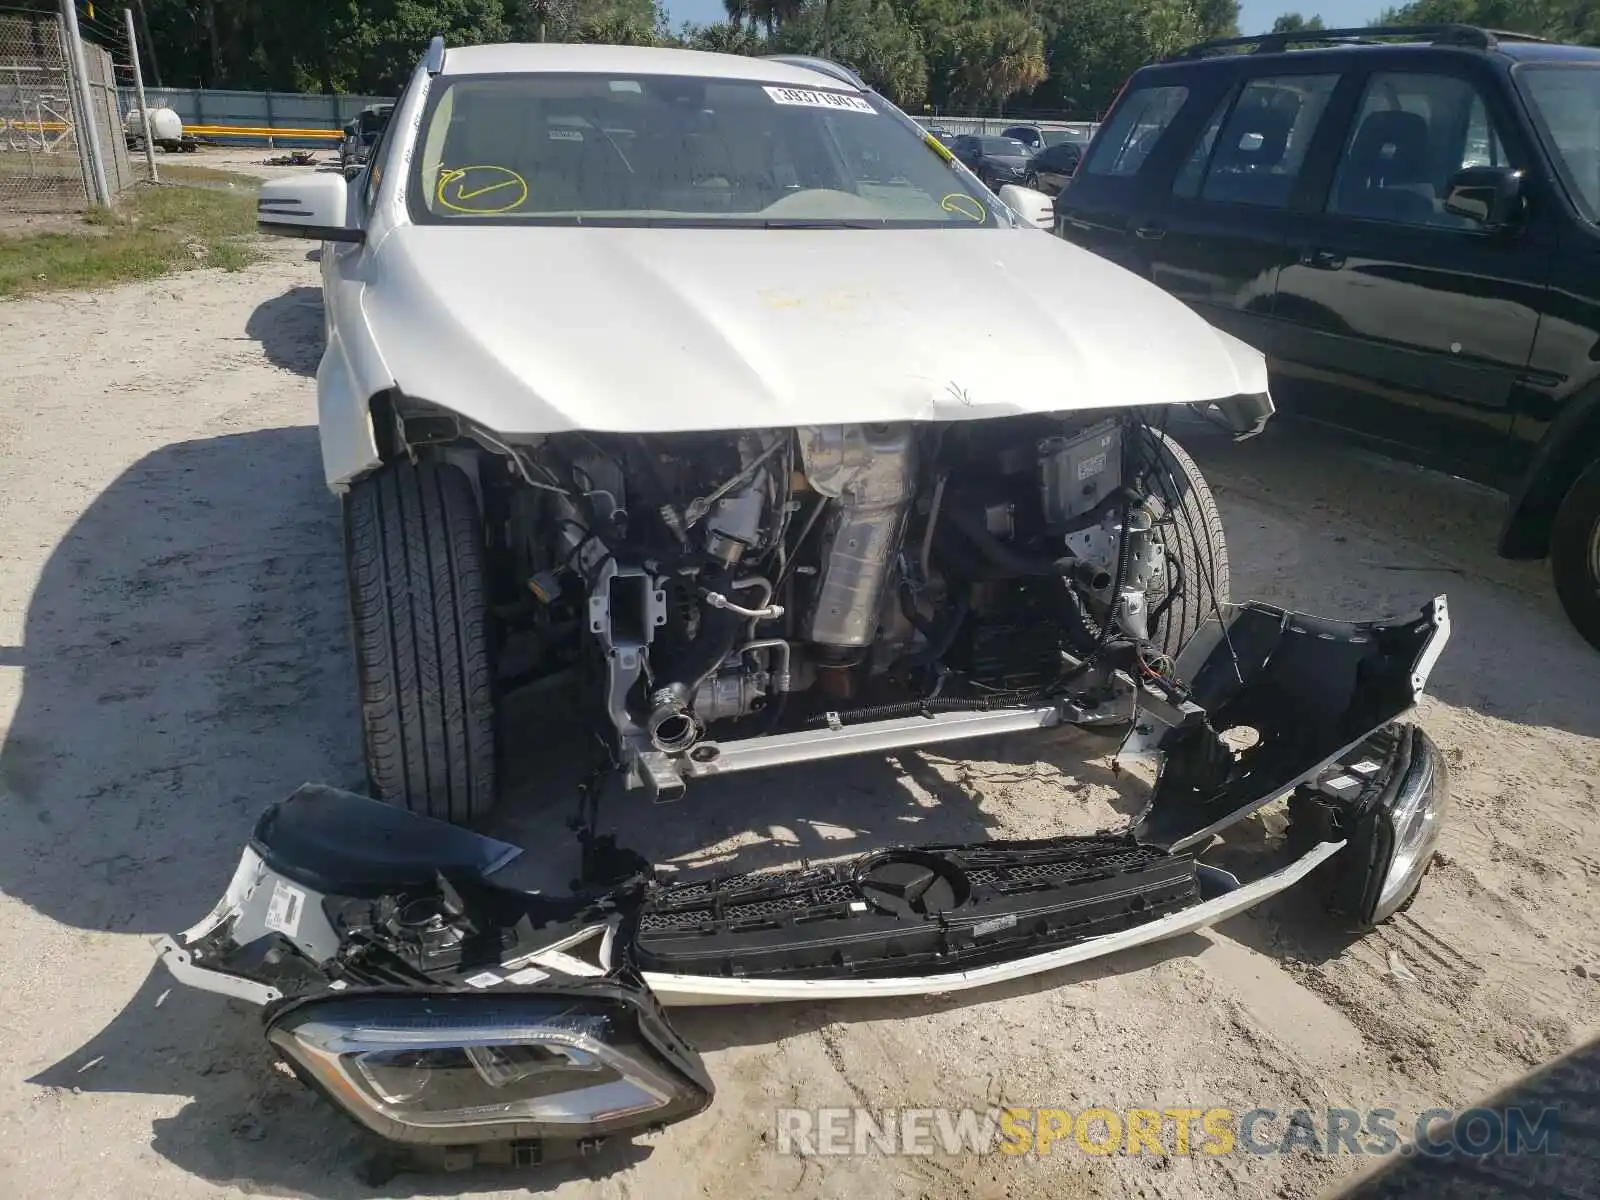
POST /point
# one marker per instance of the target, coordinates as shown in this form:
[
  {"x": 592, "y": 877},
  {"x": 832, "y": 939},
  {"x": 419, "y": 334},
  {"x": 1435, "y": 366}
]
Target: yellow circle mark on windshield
[
  {"x": 965, "y": 205},
  {"x": 482, "y": 190}
]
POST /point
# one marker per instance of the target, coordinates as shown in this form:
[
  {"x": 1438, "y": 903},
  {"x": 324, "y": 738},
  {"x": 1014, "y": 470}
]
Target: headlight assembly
[
  {"x": 459, "y": 1068},
  {"x": 1409, "y": 827},
  {"x": 1392, "y": 833}
]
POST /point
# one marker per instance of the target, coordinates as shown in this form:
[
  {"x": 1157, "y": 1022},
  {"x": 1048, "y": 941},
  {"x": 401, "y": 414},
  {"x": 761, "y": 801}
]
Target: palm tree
[{"x": 784, "y": 11}]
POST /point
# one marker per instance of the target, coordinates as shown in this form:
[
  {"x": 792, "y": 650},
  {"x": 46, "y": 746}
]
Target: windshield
[
  {"x": 1003, "y": 147},
  {"x": 1566, "y": 103},
  {"x": 585, "y": 149}
]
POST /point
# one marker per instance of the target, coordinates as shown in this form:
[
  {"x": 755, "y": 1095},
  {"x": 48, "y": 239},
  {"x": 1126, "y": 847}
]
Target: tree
[
  {"x": 870, "y": 36},
  {"x": 1092, "y": 46},
  {"x": 1060, "y": 57},
  {"x": 1217, "y": 18},
  {"x": 996, "y": 57},
  {"x": 1293, "y": 22},
  {"x": 727, "y": 37},
  {"x": 1576, "y": 21}
]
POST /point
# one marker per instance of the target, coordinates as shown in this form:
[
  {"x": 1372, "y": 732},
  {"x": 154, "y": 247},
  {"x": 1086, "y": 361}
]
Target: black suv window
[
  {"x": 379, "y": 151},
  {"x": 1131, "y": 133},
  {"x": 1566, "y": 106},
  {"x": 1187, "y": 184},
  {"x": 1262, "y": 145},
  {"x": 1411, "y": 134},
  {"x": 1061, "y": 157}
]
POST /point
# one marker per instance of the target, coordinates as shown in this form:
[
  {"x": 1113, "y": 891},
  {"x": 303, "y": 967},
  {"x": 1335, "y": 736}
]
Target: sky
[{"x": 1255, "y": 16}]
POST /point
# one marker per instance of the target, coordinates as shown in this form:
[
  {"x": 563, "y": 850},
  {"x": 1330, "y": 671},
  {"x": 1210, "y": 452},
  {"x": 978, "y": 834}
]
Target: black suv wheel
[{"x": 1575, "y": 554}]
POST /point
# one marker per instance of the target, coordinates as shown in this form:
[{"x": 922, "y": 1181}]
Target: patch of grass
[
  {"x": 152, "y": 231},
  {"x": 185, "y": 173}
]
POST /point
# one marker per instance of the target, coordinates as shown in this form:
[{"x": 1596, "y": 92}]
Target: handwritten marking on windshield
[
  {"x": 964, "y": 205},
  {"x": 504, "y": 187}
]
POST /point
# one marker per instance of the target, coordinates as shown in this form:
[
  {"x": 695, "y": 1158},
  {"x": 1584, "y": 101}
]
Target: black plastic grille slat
[
  {"x": 740, "y": 914},
  {"x": 673, "y": 917},
  {"x": 1010, "y": 899}
]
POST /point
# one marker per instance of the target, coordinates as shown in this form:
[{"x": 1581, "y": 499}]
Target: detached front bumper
[
  {"x": 918, "y": 921},
  {"x": 338, "y": 897}
]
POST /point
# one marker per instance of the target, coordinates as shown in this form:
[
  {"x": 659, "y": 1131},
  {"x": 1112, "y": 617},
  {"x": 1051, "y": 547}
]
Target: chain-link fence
[
  {"x": 44, "y": 162},
  {"x": 108, "y": 120},
  {"x": 42, "y": 167}
]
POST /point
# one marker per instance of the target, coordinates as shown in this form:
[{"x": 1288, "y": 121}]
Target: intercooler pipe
[{"x": 672, "y": 725}]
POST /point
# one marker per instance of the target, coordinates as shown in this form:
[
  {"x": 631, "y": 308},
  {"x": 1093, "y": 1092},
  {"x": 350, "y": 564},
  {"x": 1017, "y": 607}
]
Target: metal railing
[{"x": 265, "y": 118}]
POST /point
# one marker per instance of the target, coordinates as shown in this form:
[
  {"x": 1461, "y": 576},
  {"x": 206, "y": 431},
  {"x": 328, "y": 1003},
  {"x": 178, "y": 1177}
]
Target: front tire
[
  {"x": 414, "y": 557},
  {"x": 1195, "y": 585},
  {"x": 1575, "y": 554}
]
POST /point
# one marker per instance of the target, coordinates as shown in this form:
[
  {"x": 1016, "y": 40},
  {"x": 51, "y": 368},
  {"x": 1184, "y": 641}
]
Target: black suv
[
  {"x": 361, "y": 134},
  {"x": 1406, "y": 220}
]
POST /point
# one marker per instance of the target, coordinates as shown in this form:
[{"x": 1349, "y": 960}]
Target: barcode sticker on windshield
[{"x": 806, "y": 98}]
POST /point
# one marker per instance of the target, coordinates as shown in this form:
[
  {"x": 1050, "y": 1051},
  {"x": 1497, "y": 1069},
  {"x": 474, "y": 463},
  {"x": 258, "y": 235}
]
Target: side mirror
[
  {"x": 1035, "y": 208},
  {"x": 308, "y": 206},
  {"x": 1490, "y": 196}
]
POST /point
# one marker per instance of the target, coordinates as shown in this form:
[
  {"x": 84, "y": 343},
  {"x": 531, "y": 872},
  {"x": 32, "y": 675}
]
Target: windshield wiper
[{"x": 857, "y": 223}]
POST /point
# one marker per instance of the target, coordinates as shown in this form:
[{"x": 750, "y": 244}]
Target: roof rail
[
  {"x": 1466, "y": 36},
  {"x": 842, "y": 73},
  {"x": 434, "y": 61}
]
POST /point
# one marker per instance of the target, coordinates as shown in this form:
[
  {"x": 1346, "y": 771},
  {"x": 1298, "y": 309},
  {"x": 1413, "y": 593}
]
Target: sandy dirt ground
[{"x": 173, "y": 657}]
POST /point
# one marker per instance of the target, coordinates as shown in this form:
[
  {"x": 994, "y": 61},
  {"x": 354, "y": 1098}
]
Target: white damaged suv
[
  {"x": 735, "y": 397},
  {"x": 710, "y": 395}
]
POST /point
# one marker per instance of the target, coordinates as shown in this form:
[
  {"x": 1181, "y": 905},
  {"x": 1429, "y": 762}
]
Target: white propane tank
[{"x": 165, "y": 125}]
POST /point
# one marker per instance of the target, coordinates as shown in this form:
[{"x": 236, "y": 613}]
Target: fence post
[
  {"x": 138, "y": 90},
  {"x": 271, "y": 145},
  {"x": 117, "y": 152},
  {"x": 91, "y": 127},
  {"x": 74, "y": 103}
]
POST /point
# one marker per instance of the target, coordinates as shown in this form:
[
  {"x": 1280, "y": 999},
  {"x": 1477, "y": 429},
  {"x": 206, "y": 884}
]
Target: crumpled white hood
[{"x": 538, "y": 330}]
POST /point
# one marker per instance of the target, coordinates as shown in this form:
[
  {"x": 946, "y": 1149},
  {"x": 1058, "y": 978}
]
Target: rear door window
[
  {"x": 1187, "y": 184},
  {"x": 1258, "y": 153},
  {"x": 1133, "y": 130}
]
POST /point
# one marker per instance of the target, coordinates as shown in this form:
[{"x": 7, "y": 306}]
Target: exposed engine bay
[{"x": 709, "y": 592}]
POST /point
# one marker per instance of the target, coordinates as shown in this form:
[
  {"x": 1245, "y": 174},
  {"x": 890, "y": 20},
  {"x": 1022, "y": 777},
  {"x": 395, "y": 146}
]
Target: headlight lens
[
  {"x": 1414, "y": 824},
  {"x": 461, "y": 1067}
]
